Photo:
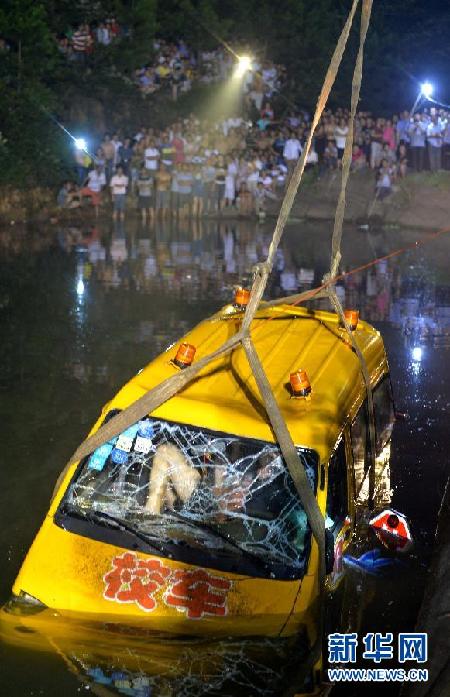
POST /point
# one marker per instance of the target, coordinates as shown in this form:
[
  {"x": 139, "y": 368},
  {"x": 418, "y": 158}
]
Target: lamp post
[{"x": 426, "y": 90}]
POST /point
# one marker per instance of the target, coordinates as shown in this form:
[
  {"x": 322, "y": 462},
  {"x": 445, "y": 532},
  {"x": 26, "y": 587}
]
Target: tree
[
  {"x": 26, "y": 92},
  {"x": 140, "y": 22}
]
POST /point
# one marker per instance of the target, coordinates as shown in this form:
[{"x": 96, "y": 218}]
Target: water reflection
[
  {"x": 116, "y": 660},
  {"x": 209, "y": 258}
]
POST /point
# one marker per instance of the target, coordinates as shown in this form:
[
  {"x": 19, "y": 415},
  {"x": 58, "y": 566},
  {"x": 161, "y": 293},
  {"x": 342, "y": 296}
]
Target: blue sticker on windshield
[
  {"x": 119, "y": 457},
  {"x": 145, "y": 429},
  {"x": 98, "y": 458},
  {"x": 131, "y": 431}
]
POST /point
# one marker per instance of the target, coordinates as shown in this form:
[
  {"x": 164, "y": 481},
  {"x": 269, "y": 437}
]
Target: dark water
[{"x": 83, "y": 309}]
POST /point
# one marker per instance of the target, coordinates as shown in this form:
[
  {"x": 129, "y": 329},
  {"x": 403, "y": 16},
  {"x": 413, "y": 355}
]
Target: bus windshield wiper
[
  {"x": 218, "y": 534},
  {"x": 95, "y": 516}
]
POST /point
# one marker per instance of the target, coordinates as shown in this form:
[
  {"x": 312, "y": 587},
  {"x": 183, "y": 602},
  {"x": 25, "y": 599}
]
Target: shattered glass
[
  {"x": 182, "y": 486},
  {"x": 225, "y": 668}
]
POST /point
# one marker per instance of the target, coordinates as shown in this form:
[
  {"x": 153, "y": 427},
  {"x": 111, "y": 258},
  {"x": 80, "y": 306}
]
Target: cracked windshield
[{"x": 176, "y": 486}]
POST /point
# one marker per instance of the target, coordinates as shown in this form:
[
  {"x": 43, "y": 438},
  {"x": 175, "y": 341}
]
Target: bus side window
[
  {"x": 337, "y": 496},
  {"x": 383, "y": 406},
  {"x": 359, "y": 438}
]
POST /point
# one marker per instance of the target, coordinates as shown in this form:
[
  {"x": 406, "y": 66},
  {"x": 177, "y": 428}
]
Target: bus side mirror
[
  {"x": 392, "y": 530},
  {"x": 329, "y": 552}
]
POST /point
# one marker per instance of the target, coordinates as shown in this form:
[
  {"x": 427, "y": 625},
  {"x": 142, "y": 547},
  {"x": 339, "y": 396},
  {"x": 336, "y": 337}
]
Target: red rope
[{"x": 418, "y": 243}]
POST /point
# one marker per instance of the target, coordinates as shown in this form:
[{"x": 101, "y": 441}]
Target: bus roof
[{"x": 224, "y": 396}]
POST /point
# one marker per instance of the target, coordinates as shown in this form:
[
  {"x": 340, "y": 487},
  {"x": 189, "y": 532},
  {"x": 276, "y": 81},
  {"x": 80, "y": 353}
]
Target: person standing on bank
[
  {"x": 109, "y": 151},
  {"x": 145, "y": 198},
  {"x": 340, "y": 136},
  {"x": 417, "y": 133},
  {"x": 119, "y": 185},
  {"x": 435, "y": 137},
  {"x": 291, "y": 153},
  {"x": 93, "y": 186}
]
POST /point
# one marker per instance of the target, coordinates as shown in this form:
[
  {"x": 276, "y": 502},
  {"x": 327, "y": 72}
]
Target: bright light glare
[
  {"x": 244, "y": 64},
  {"x": 427, "y": 89},
  {"x": 417, "y": 354},
  {"x": 80, "y": 287},
  {"x": 80, "y": 143}
]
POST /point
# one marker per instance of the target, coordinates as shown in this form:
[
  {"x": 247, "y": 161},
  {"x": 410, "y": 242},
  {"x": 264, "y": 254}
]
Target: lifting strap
[{"x": 330, "y": 278}]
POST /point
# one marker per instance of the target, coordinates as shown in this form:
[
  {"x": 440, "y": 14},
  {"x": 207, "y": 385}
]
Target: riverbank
[{"x": 418, "y": 201}]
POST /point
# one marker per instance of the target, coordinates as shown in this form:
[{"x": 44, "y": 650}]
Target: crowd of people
[
  {"x": 79, "y": 43},
  {"x": 196, "y": 168},
  {"x": 192, "y": 168},
  {"x": 177, "y": 67},
  {"x": 406, "y": 142},
  {"x": 172, "y": 65},
  {"x": 391, "y": 147}
]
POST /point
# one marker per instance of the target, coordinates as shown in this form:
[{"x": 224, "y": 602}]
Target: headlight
[{"x": 24, "y": 604}]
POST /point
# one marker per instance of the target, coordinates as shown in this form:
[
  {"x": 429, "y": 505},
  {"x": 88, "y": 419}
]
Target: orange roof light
[
  {"x": 300, "y": 385},
  {"x": 241, "y": 298},
  {"x": 352, "y": 318},
  {"x": 185, "y": 355}
]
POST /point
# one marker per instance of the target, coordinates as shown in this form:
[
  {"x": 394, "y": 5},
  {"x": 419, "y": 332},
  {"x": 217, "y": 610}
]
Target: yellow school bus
[{"x": 188, "y": 522}]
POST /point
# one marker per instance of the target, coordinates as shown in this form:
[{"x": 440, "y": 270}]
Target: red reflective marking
[
  {"x": 134, "y": 580},
  {"x": 198, "y": 593}
]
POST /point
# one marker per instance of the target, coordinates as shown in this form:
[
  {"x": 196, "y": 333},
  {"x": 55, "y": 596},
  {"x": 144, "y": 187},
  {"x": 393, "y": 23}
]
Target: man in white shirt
[
  {"x": 293, "y": 121},
  {"x": 340, "y": 137},
  {"x": 117, "y": 144},
  {"x": 94, "y": 184},
  {"x": 446, "y": 143},
  {"x": 417, "y": 132},
  {"x": 291, "y": 152},
  {"x": 103, "y": 35},
  {"x": 142, "y": 133},
  {"x": 269, "y": 74},
  {"x": 152, "y": 156},
  {"x": 435, "y": 137},
  {"x": 119, "y": 185}
]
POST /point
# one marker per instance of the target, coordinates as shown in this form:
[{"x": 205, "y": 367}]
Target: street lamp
[
  {"x": 426, "y": 89},
  {"x": 244, "y": 64},
  {"x": 80, "y": 143}
]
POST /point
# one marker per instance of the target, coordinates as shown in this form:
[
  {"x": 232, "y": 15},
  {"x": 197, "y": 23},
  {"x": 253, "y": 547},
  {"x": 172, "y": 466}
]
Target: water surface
[{"x": 82, "y": 309}]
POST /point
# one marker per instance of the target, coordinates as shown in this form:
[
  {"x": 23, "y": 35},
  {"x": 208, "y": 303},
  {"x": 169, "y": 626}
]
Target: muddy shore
[{"x": 418, "y": 201}]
